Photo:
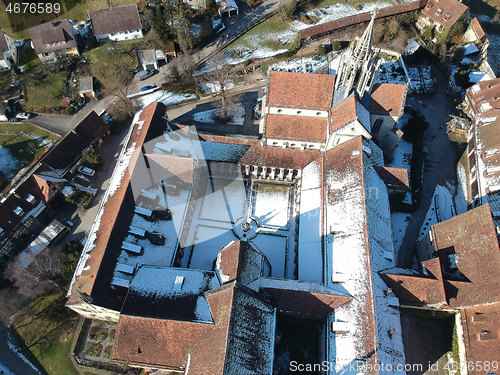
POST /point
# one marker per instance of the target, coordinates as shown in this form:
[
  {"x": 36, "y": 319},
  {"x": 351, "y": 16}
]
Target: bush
[
  {"x": 71, "y": 254},
  {"x": 321, "y": 49},
  {"x": 92, "y": 158},
  {"x": 70, "y": 110},
  {"x": 336, "y": 45}
]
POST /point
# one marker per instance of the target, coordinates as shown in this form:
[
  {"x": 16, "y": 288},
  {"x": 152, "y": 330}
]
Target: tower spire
[{"x": 358, "y": 66}]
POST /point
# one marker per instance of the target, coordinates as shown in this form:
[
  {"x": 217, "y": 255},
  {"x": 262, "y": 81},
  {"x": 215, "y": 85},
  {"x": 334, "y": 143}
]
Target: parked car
[
  {"x": 141, "y": 76},
  {"x": 146, "y": 88},
  {"x": 23, "y": 116},
  {"x": 86, "y": 171}
]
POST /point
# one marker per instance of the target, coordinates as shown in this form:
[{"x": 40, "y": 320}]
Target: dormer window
[
  {"x": 447, "y": 16},
  {"x": 18, "y": 211},
  {"x": 439, "y": 11},
  {"x": 30, "y": 198}
]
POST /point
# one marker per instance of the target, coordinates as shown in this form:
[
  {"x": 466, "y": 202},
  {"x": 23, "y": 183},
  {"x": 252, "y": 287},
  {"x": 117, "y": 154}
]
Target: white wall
[{"x": 118, "y": 37}]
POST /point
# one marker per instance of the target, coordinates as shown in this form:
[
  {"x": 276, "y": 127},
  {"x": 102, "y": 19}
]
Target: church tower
[{"x": 358, "y": 67}]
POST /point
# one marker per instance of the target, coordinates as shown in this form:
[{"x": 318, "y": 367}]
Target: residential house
[
  {"x": 86, "y": 87},
  {"x": 227, "y": 8},
  {"x": 475, "y": 34},
  {"x": 8, "y": 51},
  {"x": 116, "y": 24},
  {"x": 459, "y": 274},
  {"x": 441, "y": 14},
  {"x": 148, "y": 59},
  {"x": 54, "y": 40},
  {"x": 482, "y": 101}
]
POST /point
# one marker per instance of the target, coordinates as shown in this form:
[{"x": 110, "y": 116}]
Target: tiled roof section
[
  {"x": 484, "y": 98},
  {"x": 471, "y": 238},
  {"x": 394, "y": 177},
  {"x": 388, "y": 99},
  {"x": 69, "y": 149},
  {"x": 296, "y": 128},
  {"x": 9, "y": 220},
  {"x": 148, "y": 56},
  {"x": 444, "y": 12},
  {"x": 52, "y": 32},
  {"x": 278, "y": 157},
  {"x": 240, "y": 261},
  {"x": 86, "y": 280},
  {"x": 306, "y": 304},
  {"x": 343, "y": 113},
  {"x": 156, "y": 342},
  {"x": 478, "y": 29},
  {"x": 86, "y": 84},
  {"x": 302, "y": 91},
  {"x": 481, "y": 334},
  {"x": 172, "y": 167},
  {"x": 114, "y": 20}
]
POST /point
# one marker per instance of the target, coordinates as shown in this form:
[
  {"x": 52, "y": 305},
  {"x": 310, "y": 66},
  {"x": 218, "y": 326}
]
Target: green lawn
[
  {"x": 48, "y": 327},
  {"x": 26, "y": 142},
  {"x": 44, "y": 90},
  {"x": 17, "y": 25}
]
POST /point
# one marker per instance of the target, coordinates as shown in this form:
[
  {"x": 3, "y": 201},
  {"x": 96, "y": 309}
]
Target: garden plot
[
  {"x": 224, "y": 201},
  {"x": 271, "y": 205},
  {"x": 391, "y": 72},
  {"x": 421, "y": 79},
  {"x": 275, "y": 249},
  {"x": 209, "y": 240}
]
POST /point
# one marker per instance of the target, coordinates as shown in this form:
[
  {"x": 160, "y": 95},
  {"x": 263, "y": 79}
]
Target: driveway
[{"x": 440, "y": 163}]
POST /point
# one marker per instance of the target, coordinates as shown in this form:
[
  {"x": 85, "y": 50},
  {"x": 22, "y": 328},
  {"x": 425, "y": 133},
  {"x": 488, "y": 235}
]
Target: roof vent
[
  {"x": 179, "y": 280},
  {"x": 355, "y": 153},
  {"x": 439, "y": 11}
]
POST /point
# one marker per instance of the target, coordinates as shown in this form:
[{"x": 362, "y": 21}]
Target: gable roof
[
  {"x": 289, "y": 158},
  {"x": 52, "y": 32},
  {"x": 240, "y": 261},
  {"x": 388, "y": 99},
  {"x": 114, "y": 20},
  {"x": 394, "y": 177},
  {"x": 299, "y": 90},
  {"x": 223, "y": 5},
  {"x": 4, "y": 47},
  {"x": 444, "y": 12},
  {"x": 343, "y": 113},
  {"x": 484, "y": 98},
  {"x": 478, "y": 29},
  {"x": 297, "y": 128}
]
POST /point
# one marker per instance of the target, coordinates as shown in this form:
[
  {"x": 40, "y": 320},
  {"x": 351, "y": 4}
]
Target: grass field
[
  {"x": 47, "y": 327},
  {"x": 44, "y": 90},
  {"x": 16, "y": 25},
  {"x": 25, "y": 142}
]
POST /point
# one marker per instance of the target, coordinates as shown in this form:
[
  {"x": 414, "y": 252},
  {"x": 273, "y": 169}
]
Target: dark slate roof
[
  {"x": 52, "y": 32},
  {"x": 113, "y": 20}
]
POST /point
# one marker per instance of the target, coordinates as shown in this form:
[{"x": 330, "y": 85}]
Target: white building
[
  {"x": 116, "y": 24},
  {"x": 8, "y": 51}
]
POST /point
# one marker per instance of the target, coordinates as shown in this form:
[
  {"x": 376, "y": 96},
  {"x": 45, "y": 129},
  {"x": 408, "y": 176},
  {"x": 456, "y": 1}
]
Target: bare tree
[
  {"x": 218, "y": 75},
  {"x": 117, "y": 82},
  {"x": 287, "y": 9}
]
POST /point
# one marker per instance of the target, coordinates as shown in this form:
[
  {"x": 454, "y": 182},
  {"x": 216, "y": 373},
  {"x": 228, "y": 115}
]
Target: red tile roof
[
  {"x": 278, "y": 157},
  {"x": 86, "y": 280},
  {"x": 240, "y": 261},
  {"x": 169, "y": 166},
  {"x": 297, "y": 128},
  {"x": 52, "y": 32},
  {"x": 388, "y": 99},
  {"x": 114, "y": 20},
  {"x": 478, "y": 29},
  {"x": 394, "y": 177},
  {"x": 481, "y": 334},
  {"x": 343, "y": 113},
  {"x": 302, "y": 91},
  {"x": 484, "y": 98},
  {"x": 444, "y": 12}
]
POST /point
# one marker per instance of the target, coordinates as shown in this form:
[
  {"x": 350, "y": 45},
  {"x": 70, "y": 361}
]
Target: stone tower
[{"x": 358, "y": 67}]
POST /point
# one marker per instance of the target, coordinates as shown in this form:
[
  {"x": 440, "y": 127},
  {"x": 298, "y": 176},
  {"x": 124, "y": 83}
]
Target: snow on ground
[
  {"x": 274, "y": 248},
  {"x": 5, "y": 370},
  {"x": 16, "y": 349},
  {"x": 411, "y": 46},
  {"x": 224, "y": 200},
  {"x": 302, "y": 65},
  {"x": 235, "y": 112},
  {"x": 165, "y": 97},
  {"x": 462, "y": 187},
  {"x": 271, "y": 204},
  {"x": 8, "y": 163},
  {"x": 209, "y": 240},
  {"x": 213, "y": 87},
  {"x": 337, "y": 11},
  {"x": 391, "y": 72},
  {"x": 400, "y": 222}
]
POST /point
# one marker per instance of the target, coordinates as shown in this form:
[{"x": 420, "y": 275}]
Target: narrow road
[{"x": 440, "y": 163}]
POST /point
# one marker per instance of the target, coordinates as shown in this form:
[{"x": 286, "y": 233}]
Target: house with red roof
[{"x": 441, "y": 14}]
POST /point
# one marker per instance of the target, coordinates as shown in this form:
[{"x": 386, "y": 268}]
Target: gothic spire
[{"x": 363, "y": 48}]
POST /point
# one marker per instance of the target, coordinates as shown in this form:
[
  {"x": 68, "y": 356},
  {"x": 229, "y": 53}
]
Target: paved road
[{"x": 439, "y": 164}]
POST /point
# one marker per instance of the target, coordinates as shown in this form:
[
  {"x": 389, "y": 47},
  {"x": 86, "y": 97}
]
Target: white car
[
  {"x": 23, "y": 116},
  {"x": 86, "y": 171}
]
